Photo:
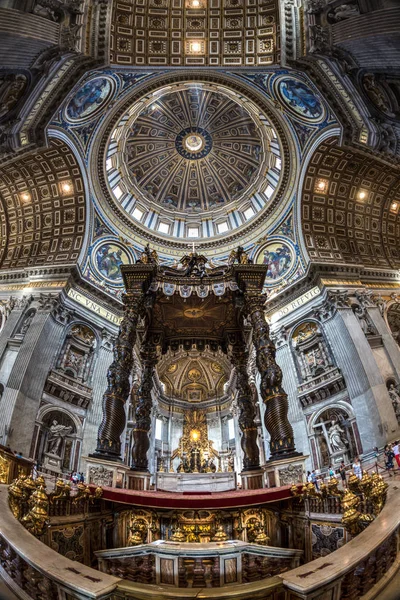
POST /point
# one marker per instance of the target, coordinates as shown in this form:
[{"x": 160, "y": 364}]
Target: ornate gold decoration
[
  {"x": 16, "y": 496},
  {"x": 220, "y": 535},
  {"x": 261, "y": 538},
  {"x": 178, "y": 535},
  {"x": 83, "y": 493},
  {"x": 98, "y": 493},
  {"x": 4, "y": 468},
  {"x": 36, "y": 519},
  {"x": 138, "y": 530},
  {"x": 353, "y": 483},
  {"x": 195, "y": 440}
]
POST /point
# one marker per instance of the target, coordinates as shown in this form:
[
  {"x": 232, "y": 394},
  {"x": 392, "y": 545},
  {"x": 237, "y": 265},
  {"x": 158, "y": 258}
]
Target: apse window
[
  {"x": 222, "y": 227},
  {"x": 248, "y": 213},
  {"x": 137, "y": 214},
  {"x": 158, "y": 434},
  {"x": 231, "y": 429},
  {"x": 109, "y": 164},
  {"x": 163, "y": 227},
  {"x": 193, "y": 232}
]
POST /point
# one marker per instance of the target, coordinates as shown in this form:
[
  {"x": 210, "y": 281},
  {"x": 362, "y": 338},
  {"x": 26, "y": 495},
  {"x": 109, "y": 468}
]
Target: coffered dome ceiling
[
  {"x": 193, "y": 159},
  {"x": 193, "y": 150}
]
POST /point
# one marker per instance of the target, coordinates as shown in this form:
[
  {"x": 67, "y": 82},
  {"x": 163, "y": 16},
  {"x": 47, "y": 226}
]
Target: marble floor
[{"x": 392, "y": 591}]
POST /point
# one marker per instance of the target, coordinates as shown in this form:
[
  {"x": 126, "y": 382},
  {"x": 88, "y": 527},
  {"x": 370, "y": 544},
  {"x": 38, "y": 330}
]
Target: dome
[{"x": 192, "y": 159}]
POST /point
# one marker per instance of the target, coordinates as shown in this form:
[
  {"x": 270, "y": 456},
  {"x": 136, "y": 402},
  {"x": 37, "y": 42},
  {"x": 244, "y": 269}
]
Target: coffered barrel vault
[
  {"x": 43, "y": 210},
  {"x": 227, "y": 33}
]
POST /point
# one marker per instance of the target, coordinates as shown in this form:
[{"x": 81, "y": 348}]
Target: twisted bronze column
[
  {"x": 247, "y": 411},
  {"x": 274, "y": 397},
  {"x": 113, "y": 422},
  {"x": 141, "y": 428}
]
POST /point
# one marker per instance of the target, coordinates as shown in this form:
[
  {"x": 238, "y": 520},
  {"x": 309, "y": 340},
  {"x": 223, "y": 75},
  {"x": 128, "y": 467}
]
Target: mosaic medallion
[
  {"x": 89, "y": 99},
  {"x": 300, "y": 99},
  {"x": 107, "y": 258},
  {"x": 279, "y": 257}
]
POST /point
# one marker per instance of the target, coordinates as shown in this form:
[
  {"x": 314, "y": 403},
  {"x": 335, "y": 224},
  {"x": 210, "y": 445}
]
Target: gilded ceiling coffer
[
  {"x": 119, "y": 372},
  {"x": 247, "y": 413},
  {"x": 274, "y": 397}
]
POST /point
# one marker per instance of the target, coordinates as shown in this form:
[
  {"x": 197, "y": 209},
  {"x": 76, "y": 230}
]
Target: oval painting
[
  {"x": 279, "y": 258},
  {"x": 107, "y": 260},
  {"x": 300, "y": 99},
  {"x": 89, "y": 98}
]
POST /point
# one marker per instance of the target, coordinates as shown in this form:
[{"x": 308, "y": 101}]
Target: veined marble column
[{"x": 273, "y": 395}]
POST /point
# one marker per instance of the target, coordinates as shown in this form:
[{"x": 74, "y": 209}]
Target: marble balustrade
[
  {"x": 360, "y": 569},
  {"x": 213, "y": 564}
]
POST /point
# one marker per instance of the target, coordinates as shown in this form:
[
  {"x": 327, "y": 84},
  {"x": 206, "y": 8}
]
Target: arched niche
[
  {"x": 393, "y": 319},
  {"x": 76, "y": 356},
  {"x": 333, "y": 435},
  {"x": 311, "y": 350},
  {"x": 25, "y": 322},
  {"x": 59, "y": 440}
]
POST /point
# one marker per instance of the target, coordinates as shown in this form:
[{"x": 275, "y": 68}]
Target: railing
[
  {"x": 11, "y": 466},
  {"x": 353, "y": 570},
  {"x": 363, "y": 566},
  {"x": 197, "y": 565}
]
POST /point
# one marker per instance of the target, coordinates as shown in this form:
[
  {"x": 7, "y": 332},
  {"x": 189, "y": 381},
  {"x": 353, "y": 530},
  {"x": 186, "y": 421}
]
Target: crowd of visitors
[{"x": 391, "y": 456}]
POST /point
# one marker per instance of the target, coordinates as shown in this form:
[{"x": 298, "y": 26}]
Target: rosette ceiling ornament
[{"x": 194, "y": 159}]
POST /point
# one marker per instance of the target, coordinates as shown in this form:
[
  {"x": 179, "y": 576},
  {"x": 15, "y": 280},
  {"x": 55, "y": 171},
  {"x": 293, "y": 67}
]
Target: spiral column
[
  {"x": 141, "y": 428},
  {"x": 247, "y": 413},
  {"x": 118, "y": 378},
  {"x": 273, "y": 395}
]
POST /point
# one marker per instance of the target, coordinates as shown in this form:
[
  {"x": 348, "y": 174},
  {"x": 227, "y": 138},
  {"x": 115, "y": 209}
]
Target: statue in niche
[
  {"x": 395, "y": 398},
  {"x": 376, "y": 95},
  {"x": 364, "y": 320},
  {"x": 336, "y": 439},
  {"x": 57, "y": 433},
  {"x": 26, "y": 323},
  {"x": 42, "y": 9}
]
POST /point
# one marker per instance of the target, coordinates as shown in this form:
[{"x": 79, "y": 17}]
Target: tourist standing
[
  {"x": 314, "y": 479},
  {"x": 357, "y": 468},
  {"x": 396, "y": 452},
  {"x": 342, "y": 473},
  {"x": 331, "y": 472},
  {"x": 389, "y": 456}
]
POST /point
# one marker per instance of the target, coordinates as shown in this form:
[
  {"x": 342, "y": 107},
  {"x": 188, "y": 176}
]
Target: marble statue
[
  {"x": 57, "y": 434},
  {"x": 336, "y": 438},
  {"x": 26, "y": 324},
  {"x": 343, "y": 12},
  {"x": 395, "y": 398}
]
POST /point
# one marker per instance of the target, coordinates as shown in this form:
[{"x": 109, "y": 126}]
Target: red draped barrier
[{"x": 220, "y": 500}]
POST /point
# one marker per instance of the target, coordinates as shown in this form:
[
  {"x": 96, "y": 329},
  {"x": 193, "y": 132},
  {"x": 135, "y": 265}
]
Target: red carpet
[{"x": 176, "y": 500}]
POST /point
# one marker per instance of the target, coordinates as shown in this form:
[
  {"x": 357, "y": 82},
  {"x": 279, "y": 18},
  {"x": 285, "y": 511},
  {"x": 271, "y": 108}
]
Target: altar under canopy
[{"x": 196, "y": 482}]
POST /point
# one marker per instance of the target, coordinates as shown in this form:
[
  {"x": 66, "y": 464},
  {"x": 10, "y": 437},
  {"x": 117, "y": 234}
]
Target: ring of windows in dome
[{"x": 194, "y": 181}]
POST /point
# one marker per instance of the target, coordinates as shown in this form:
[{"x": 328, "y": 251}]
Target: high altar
[{"x": 210, "y": 320}]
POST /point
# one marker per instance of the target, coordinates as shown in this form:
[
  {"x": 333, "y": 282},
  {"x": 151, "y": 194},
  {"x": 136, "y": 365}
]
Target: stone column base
[
  {"x": 138, "y": 480},
  {"x": 252, "y": 480},
  {"x": 286, "y": 471},
  {"x": 104, "y": 473},
  {"x": 52, "y": 463}
]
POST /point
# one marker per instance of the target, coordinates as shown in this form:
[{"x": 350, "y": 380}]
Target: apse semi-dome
[{"x": 193, "y": 160}]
